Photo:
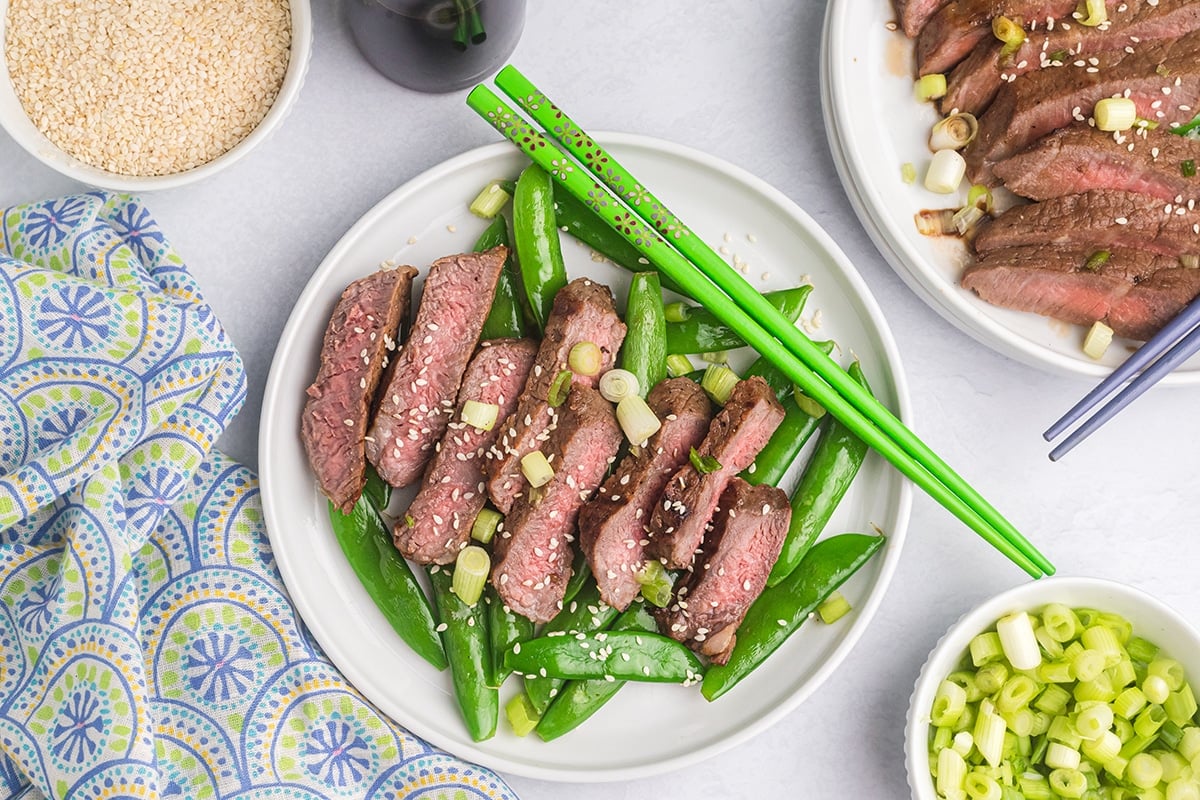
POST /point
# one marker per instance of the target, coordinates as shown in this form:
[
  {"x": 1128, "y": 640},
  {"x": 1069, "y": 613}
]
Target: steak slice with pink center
[
  {"x": 418, "y": 401},
  {"x": 613, "y": 524},
  {"x": 438, "y": 523},
  {"x": 354, "y": 352},
  {"x": 731, "y": 572},
  {"x": 688, "y": 503},
  {"x": 533, "y": 550}
]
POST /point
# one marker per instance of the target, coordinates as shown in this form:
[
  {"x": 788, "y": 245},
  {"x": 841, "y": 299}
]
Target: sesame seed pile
[{"x": 147, "y": 87}]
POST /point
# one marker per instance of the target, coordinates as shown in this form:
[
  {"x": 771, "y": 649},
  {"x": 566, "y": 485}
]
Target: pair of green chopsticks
[{"x": 627, "y": 206}]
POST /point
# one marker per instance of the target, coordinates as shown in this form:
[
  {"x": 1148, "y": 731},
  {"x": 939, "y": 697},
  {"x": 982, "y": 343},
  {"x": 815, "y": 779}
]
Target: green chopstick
[{"x": 891, "y": 439}]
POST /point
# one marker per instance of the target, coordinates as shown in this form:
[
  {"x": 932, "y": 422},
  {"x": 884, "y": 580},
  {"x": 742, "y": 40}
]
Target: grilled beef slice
[
  {"x": 1162, "y": 78},
  {"x": 1079, "y": 158},
  {"x": 533, "y": 550},
  {"x": 731, "y": 570},
  {"x": 1099, "y": 219},
  {"x": 737, "y": 433},
  {"x": 438, "y": 523},
  {"x": 612, "y": 525},
  {"x": 959, "y": 27},
  {"x": 583, "y": 312},
  {"x": 362, "y": 329},
  {"x": 1134, "y": 292},
  {"x": 973, "y": 84},
  {"x": 418, "y": 400},
  {"x": 911, "y": 15}
]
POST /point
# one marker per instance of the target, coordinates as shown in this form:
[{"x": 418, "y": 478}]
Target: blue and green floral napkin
[{"x": 147, "y": 645}]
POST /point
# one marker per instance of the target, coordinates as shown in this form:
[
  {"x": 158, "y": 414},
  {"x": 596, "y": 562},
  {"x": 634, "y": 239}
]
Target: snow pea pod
[
  {"x": 579, "y": 700},
  {"x": 779, "y": 611},
  {"x": 580, "y": 573},
  {"x": 383, "y": 572},
  {"x": 702, "y": 332},
  {"x": 539, "y": 251},
  {"x": 644, "y": 352},
  {"x": 781, "y": 384},
  {"x": 827, "y": 476},
  {"x": 505, "y": 320},
  {"x": 505, "y": 628},
  {"x": 587, "y": 612},
  {"x": 465, "y": 637},
  {"x": 608, "y": 655}
]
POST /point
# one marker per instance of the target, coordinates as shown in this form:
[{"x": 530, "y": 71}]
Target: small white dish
[
  {"x": 17, "y": 123},
  {"x": 1152, "y": 619}
]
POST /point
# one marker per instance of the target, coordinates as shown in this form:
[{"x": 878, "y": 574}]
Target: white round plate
[
  {"x": 646, "y": 728},
  {"x": 874, "y": 125}
]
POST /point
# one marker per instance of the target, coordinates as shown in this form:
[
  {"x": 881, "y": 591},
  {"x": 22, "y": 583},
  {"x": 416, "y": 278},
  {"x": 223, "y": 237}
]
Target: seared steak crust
[
  {"x": 583, "y": 311},
  {"x": 418, "y": 400},
  {"x": 362, "y": 329},
  {"x": 533, "y": 550},
  {"x": 612, "y": 525},
  {"x": 959, "y": 27},
  {"x": 711, "y": 601},
  {"x": 438, "y": 523},
  {"x": 1134, "y": 292},
  {"x": 738, "y": 432},
  {"x": 911, "y": 15}
]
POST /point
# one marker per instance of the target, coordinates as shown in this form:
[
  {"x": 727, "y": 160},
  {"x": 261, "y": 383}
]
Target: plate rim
[
  {"x": 946, "y": 299},
  {"x": 889, "y": 352}
]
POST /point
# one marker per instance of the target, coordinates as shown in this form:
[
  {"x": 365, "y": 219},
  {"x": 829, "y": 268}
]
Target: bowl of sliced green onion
[{"x": 1062, "y": 688}]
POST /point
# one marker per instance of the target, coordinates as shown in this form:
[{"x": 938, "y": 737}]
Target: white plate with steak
[
  {"x": 868, "y": 69},
  {"x": 646, "y": 728}
]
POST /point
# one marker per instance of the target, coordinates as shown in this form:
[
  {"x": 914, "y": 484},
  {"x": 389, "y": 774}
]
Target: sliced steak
[
  {"x": 1079, "y": 158},
  {"x": 911, "y": 15},
  {"x": 738, "y": 432},
  {"x": 711, "y": 601},
  {"x": 360, "y": 333},
  {"x": 612, "y": 525},
  {"x": 959, "y": 27},
  {"x": 1099, "y": 219},
  {"x": 1163, "y": 80},
  {"x": 583, "y": 311},
  {"x": 418, "y": 400},
  {"x": 533, "y": 550},
  {"x": 1135, "y": 292},
  {"x": 438, "y": 522},
  {"x": 974, "y": 82}
]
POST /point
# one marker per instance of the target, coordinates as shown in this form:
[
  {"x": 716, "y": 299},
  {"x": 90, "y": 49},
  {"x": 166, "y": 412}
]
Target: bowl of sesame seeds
[{"x": 144, "y": 96}]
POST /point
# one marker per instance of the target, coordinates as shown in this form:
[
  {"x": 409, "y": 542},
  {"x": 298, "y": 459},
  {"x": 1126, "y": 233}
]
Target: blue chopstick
[
  {"x": 1181, "y": 351},
  {"x": 1183, "y": 322}
]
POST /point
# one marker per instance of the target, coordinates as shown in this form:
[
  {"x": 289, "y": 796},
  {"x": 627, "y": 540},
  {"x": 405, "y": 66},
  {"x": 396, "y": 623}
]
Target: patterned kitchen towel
[{"x": 147, "y": 645}]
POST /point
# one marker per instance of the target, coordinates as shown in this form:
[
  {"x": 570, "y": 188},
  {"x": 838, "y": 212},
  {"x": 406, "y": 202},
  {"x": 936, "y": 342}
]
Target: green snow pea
[
  {"x": 539, "y": 251},
  {"x": 465, "y": 637}
]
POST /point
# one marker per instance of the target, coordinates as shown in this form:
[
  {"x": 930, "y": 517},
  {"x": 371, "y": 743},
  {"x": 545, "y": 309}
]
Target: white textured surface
[{"x": 738, "y": 80}]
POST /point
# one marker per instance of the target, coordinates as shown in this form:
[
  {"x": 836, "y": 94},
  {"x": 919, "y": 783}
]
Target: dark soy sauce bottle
[{"x": 436, "y": 45}]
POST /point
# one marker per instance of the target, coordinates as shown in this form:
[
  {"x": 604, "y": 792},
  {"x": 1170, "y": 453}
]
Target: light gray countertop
[{"x": 738, "y": 80}]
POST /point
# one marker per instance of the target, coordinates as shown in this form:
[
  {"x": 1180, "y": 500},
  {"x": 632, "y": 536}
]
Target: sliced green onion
[
  {"x": 584, "y": 358},
  {"x": 485, "y": 525},
  {"x": 1188, "y": 168},
  {"x": 655, "y": 582},
  {"x": 1017, "y": 640},
  {"x": 521, "y": 714},
  {"x": 989, "y": 736},
  {"x": 560, "y": 388},
  {"x": 1016, "y": 693},
  {"x": 1097, "y": 340},
  {"x": 981, "y": 197},
  {"x": 1053, "y": 699},
  {"x": 807, "y": 404},
  {"x": 1087, "y": 665},
  {"x": 715, "y": 357},
  {"x": 908, "y": 173},
  {"x": 1060, "y": 756},
  {"x": 1129, "y": 703},
  {"x": 1060, "y": 622},
  {"x": 1097, "y": 260},
  {"x": 980, "y": 786},
  {"x": 679, "y": 365},
  {"x": 1149, "y": 721},
  {"x": 1189, "y": 745},
  {"x": 703, "y": 464},
  {"x": 991, "y": 677},
  {"x": 489, "y": 201},
  {"x": 1093, "y": 721},
  {"x": 536, "y": 468},
  {"x": 1189, "y": 260},
  {"x": 930, "y": 87},
  {"x": 954, "y": 132},
  {"x": 1059, "y": 56},
  {"x": 1169, "y": 670},
  {"x": 1055, "y": 672},
  {"x": 677, "y": 312},
  {"x": 1035, "y": 786},
  {"x": 617, "y": 384},
  {"x": 1068, "y": 783},
  {"x": 1009, "y": 32},
  {"x": 1144, "y": 771},
  {"x": 951, "y": 773},
  {"x": 1115, "y": 114},
  {"x": 986, "y": 647},
  {"x": 1062, "y": 731},
  {"x": 481, "y": 416},
  {"x": 637, "y": 419},
  {"x": 837, "y": 606},
  {"x": 966, "y": 218},
  {"x": 1122, "y": 673},
  {"x": 1095, "y": 12},
  {"x": 471, "y": 570},
  {"x": 1181, "y": 705},
  {"x": 946, "y": 171},
  {"x": 719, "y": 381},
  {"x": 1103, "y": 748},
  {"x": 1187, "y": 129},
  {"x": 935, "y": 222}
]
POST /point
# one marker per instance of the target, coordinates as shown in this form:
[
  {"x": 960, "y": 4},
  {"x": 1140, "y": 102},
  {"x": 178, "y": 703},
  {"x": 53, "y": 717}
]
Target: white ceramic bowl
[
  {"x": 14, "y": 120},
  {"x": 1152, "y": 620}
]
